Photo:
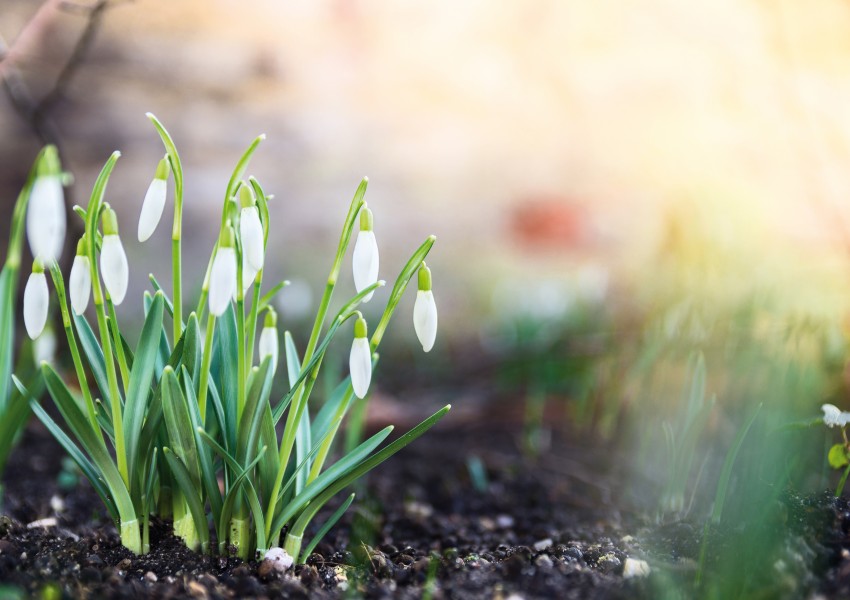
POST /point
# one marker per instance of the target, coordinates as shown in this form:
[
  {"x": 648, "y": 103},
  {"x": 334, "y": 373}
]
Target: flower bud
[
  {"x": 250, "y": 230},
  {"x": 36, "y": 301},
  {"x": 113, "y": 260},
  {"x": 154, "y": 202},
  {"x": 425, "y": 311},
  {"x": 360, "y": 360},
  {"x": 223, "y": 274},
  {"x": 269, "y": 343},
  {"x": 365, "y": 260},
  {"x": 46, "y": 211},
  {"x": 79, "y": 283}
]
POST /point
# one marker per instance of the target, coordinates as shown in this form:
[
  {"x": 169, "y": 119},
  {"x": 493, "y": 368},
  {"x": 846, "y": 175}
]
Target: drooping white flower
[
  {"x": 36, "y": 301},
  {"x": 113, "y": 260},
  {"x": 269, "y": 342},
  {"x": 365, "y": 261},
  {"x": 425, "y": 311},
  {"x": 360, "y": 360},
  {"x": 251, "y": 230},
  {"x": 79, "y": 283},
  {"x": 154, "y": 202},
  {"x": 223, "y": 274},
  {"x": 833, "y": 416},
  {"x": 44, "y": 347},
  {"x": 46, "y": 211}
]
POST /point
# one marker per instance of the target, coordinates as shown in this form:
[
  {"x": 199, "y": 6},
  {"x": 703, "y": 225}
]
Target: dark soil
[{"x": 553, "y": 527}]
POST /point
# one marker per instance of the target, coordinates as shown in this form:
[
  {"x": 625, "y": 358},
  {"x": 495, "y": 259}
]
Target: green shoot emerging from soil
[{"x": 188, "y": 412}]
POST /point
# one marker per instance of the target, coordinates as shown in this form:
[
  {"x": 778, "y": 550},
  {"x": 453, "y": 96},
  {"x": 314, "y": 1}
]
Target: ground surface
[{"x": 547, "y": 528}]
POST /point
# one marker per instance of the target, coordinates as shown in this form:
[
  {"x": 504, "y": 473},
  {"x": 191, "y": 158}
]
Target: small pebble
[
  {"x": 276, "y": 559},
  {"x": 48, "y": 522},
  {"x": 197, "y": 590},
  {"x": 57, "y": 504},
  {"x": 543, "y": 545},
  {"x": 418, "y": 511},
  {"x": 505, "y": 521},
  {"x": 544, "y": 561},
  {"x": 634, "y": 567},
  {"x": 151, "y": 576}
]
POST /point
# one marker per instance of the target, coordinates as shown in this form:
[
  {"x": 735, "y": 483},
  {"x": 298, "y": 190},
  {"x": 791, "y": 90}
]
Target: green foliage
[{"x": 226, "y": 466}]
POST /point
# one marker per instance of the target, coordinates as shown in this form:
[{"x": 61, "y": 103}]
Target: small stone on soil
[
  {"x": 543, "y": 545},
  {"x": 635, "y": 568}
]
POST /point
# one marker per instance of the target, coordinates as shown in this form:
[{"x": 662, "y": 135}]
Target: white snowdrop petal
[
  {"x": 425, "y": 319},
  {"x": 44, "y": 348},
  {"x": 152, "y": 207},
  {"x": 249, "y": 273},
  {"x": 269, "y": 345},
  {"x": 79, "y": 284},
  {"x": 222, "y": 280},
  {"x": 360, "y": 365},
  {"x": 831, "y": 415},
  {"x": 251, "y": 234},
  {"x": 46, "y": 218},
  {"x": 114, "y": 268},
  {"x": 36, "y": 300},
  {"x": 365, "y": 262}
]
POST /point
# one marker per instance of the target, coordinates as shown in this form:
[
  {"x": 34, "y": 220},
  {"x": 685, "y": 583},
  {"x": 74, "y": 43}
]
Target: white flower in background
[
  {"x": 250, "y": 231},
  {"x": 223, "y": 273},
  {"x": 425, "y": 311},
  {"x": 113, "y": 260},
  {"x": 79, "y": 283},
  {"x": 46, "y": 211},
  {"x": 365, "y": 261},
  {"x": 833, "y": 416},
  {"x": 44, "y": 347},
  {"x": 360, "y": 360},
  {"x": 154, "y": 202},
  {"x": 36, "y": 301},
  {"x": 269, "y": 342}
]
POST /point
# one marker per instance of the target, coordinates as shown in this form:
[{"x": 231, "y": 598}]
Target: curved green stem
[
  {"x": 119, "y": 346},
  {"x": 59, "y": 284},
  {"x": 205, "y": 367}
]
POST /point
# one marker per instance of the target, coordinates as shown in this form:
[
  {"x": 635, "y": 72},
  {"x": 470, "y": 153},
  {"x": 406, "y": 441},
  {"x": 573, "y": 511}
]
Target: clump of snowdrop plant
[
  {"x": 44, "y": 190},
  {"x": 188, "y": 412},
  {"x": 839, "y": 454}
]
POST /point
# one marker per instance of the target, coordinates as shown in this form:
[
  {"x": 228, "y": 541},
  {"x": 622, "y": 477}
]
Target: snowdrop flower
[
  {"x": 154, "y": 202},
  {"x": 833, "y": 416},
  {"x": 36, "y": 300},
  {"x": 44, "y": 347},
  {"x": 269, "y": 343},
  {"x": 46, "y": 211},
  {"x": 250, "y": 231},
  {"x": 79, "y": 283},
  {"x": 360, "y": 360},
  {"x": 365, "y": 260},
  {"x": 223, "y": 274},
  {"x": 113, "y": 260},
  {"x": 425, "y": 311}
]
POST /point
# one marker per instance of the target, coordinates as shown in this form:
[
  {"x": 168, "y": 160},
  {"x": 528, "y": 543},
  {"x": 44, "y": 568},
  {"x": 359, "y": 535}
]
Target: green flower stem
[
  {"x": 92, "y": 216},
  {"x": 205, "y": 367},
  {"x": 131, "y": 536},
  {"x": 240, "y": 358},
  {"x": 176, "y": 167},
  {"x": 59, "y": 284},
  {"x": 183, "y": 524},
  {"x": 253, "y": 315},
  {"x": 292, "y": 546},
  {"x": 115, "y": 395},
  {"x": 119, "y": 346},
  {"x": 403, "y": 280},
  {"x": 240, "y": 536},
  {"x": 840, "y": 489}
]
